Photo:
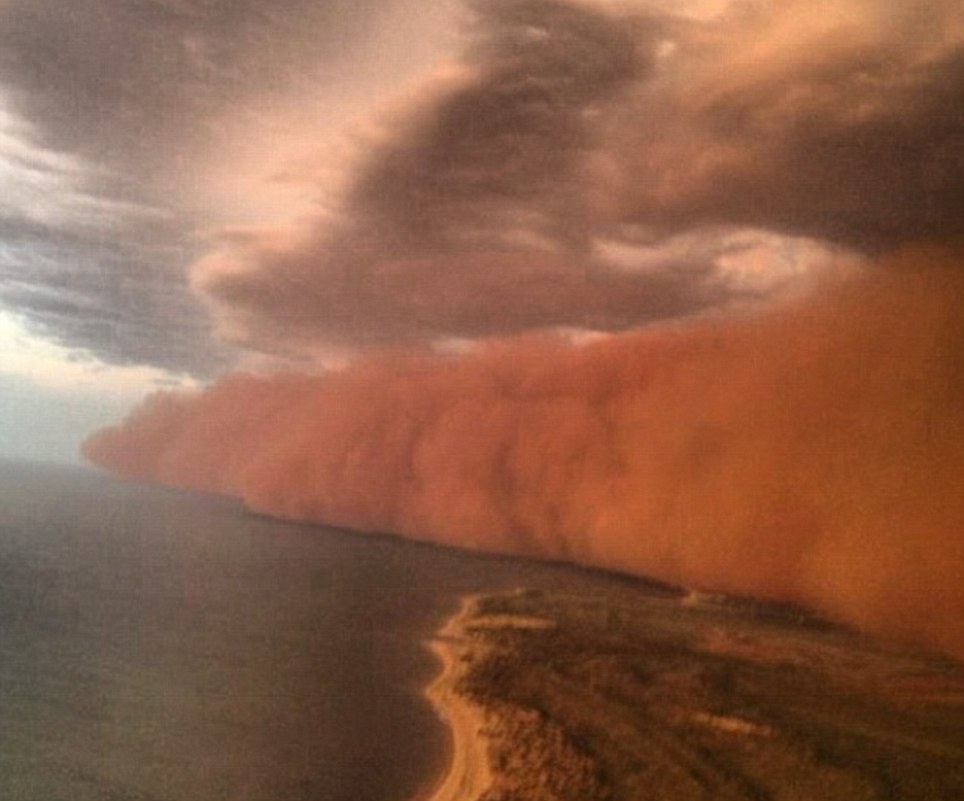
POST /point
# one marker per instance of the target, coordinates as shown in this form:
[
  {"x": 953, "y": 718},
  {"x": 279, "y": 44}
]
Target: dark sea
[{"x": 158, "y": 645}]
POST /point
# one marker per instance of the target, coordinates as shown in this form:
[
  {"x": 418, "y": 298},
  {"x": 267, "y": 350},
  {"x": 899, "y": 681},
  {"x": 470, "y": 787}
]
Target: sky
[
  {"x": 671, "y": 288},
  {"x": 189, "y": 186}
]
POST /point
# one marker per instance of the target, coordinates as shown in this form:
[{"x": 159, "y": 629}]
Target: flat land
[{"x": 662, "y": 695}]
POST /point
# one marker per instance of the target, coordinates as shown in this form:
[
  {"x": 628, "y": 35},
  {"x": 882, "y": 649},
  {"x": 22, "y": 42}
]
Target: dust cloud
[{"x": 811, "y": 451}]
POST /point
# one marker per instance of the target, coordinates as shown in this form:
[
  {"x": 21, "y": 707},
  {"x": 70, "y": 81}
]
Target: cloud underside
[
  {"x": 107, "y": 112},
  {"x": 492, "y": 198},
  {"x": 488, "y": 208}
]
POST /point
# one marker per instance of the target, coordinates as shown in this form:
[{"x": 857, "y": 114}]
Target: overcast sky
[{"x": 189, "y": 185}]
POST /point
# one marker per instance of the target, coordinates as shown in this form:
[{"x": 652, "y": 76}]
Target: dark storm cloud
[
  {"x": 124, "y": 302},
  {"x": 486, "y": 209},
  {"x": 473, "y": 218},
  {"x": 491, "y": 202},
  {"x": 507, "y": 149},
  {"x": 838, "y": 121},
  {"x": 104, "y": 106},
  {"x": 132, "y": 82},
  {"x": 91, "y": 271}
]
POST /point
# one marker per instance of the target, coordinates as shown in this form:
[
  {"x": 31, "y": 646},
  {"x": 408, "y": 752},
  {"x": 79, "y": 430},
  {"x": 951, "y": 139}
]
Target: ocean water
[{"x": 157, "y": 645}]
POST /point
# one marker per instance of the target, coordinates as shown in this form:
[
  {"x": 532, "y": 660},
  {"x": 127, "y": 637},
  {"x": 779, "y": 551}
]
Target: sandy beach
[
  {"x": 496, "y": 747},
  {"x": 468, "y": 774}
]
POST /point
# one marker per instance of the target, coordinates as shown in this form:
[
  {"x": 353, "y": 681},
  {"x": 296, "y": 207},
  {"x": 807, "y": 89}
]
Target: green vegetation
[{"x": 653, "y": 696}]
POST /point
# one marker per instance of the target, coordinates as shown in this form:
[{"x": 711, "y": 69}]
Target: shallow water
[{"x": 156, "y": 644}]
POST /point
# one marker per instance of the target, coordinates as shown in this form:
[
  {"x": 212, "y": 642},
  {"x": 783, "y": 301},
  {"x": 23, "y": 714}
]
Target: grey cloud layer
[
  {"x": 842, "y": 121},
  {"x": 121, "y": 300},
  {"x": 133, "y": 83},
  {"x": 484, "y": 212},
  {"x": 506, "y": 150},
  {"x": 490, "y": 205},
  {"x": 88, "y": 270},
  {"x": 474, "y": 218},
  {"x": 112, "y": 102}
]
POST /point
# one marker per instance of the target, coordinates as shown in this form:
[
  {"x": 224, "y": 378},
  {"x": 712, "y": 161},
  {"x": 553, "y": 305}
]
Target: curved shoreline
[
  {"x": 579, "y": 697},
  {"x": 469, "y": 772}
]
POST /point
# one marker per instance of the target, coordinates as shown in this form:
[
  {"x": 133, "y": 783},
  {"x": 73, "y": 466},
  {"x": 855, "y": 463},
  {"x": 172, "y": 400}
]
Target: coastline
[
  {"x": 498, "y": 749},
  {"x": 584, "y": 696},
  {"x": 469, "y": 773}
]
